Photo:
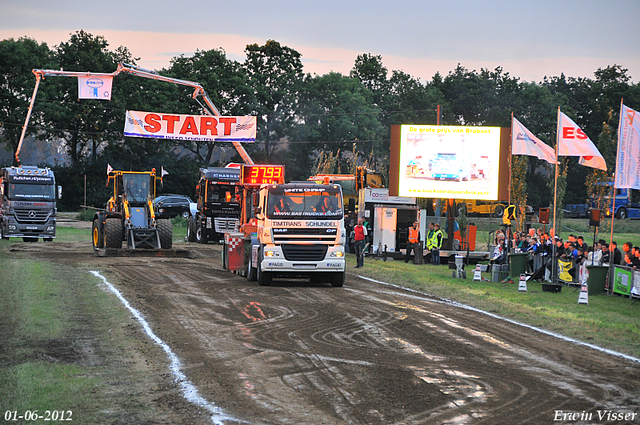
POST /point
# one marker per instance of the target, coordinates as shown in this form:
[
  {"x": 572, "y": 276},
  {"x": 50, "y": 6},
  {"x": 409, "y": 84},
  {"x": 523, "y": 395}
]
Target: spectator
[
  {"x": 499, "y": 254},
  {"x": 615, "y": 253},
  {"x": 626, "y": 249},
  {"x": 436, "y": 244},
  {"x": 413, "y": 239},
  {"x": 582, "y": 244},
  {"x": 360, "y": 234}
]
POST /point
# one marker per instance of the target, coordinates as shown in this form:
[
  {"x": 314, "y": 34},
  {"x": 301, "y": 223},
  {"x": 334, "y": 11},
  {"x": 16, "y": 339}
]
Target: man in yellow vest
[
  {"x": 436, "y": 244},
  {"x": 413, "y": 239}
]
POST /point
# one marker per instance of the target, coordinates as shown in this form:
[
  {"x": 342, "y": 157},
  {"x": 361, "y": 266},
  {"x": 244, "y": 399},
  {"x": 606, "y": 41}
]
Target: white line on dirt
[
  {"x": 467, "y": 307},
  {"x": 189, "y": 391}
]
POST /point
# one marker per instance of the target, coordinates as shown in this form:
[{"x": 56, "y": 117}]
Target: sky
[{"x": 528, "y": 39}]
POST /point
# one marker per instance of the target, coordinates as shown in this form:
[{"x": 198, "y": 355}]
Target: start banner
[{"x": 200, "y": 128}]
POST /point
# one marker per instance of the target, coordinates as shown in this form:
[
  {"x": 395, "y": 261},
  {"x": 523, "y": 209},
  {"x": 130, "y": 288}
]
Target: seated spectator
[{"x": 499, "y": 254}]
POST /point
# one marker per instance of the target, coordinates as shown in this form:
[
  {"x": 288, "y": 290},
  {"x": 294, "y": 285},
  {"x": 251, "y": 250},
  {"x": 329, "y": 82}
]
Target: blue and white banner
[
  {"x": 627, "y": 171},
  {"x": 95, "y": 87},
  {"x": 200, "y": 128},
  {"x": 524, "y": 142}
]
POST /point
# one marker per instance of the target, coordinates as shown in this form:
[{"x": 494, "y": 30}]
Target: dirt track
[{"x": 297, "y": 353}]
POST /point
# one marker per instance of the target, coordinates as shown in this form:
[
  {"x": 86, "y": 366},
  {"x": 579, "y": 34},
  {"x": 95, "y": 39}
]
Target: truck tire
[
  {"x": 337, "y": 279},
  {"x": 499, "y": 211},
  {"x": 252, "y": 274},
  {"x": 113, "y": 233},
  {"x": 201, "y": 235},
  {"x": 191, "y": 230},
  {"x": 29, "y": 239},
  {"x": 621, "y": 214},
  {"x": 264, "y": 278},
  {"x": 97, "y": 233},
  {"x": 165, "y": 228}
]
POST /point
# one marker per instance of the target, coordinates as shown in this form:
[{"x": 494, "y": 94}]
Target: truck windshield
[
  {"x": 136, "y": 187},
  {"x": 305, "y": 203},
  {"x": 32, "y": 191},
  {"x": 222, "y": 193}
]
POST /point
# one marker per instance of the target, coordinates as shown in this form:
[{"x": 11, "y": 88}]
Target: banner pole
[{"x": 554, "y": 267}]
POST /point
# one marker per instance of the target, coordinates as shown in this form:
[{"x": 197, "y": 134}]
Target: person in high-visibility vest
[
  {"x": 436, "y": 244},
  {"x": 413, "y": 239}
]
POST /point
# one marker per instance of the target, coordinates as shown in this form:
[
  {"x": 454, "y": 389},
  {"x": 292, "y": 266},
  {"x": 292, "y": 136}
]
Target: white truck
[{"x": 293, "y": 230}]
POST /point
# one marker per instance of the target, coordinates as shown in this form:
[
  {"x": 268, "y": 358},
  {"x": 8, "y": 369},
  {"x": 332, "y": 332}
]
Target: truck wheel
[
  {"x": 201, "y": 235},
  {"x": 264, "y": 278},
  {"x": 165, "y": 228},
  {"x": 29, "y": 239},
  {"x": 185, "y": 214},
  {"x": 337, "y": 279},
  {"x": 113, "y": 233},
  {"x": 499, "y": 211},
  {"x": 622, "y": 214},
  {"x": 252, "y": 274},
  {"x": 97, "y": 232},
  {"x": 191, "y": 230}
]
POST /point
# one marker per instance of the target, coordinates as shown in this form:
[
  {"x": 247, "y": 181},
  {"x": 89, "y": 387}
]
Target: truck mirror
[
  {"x": 59, "y": 192},
  {"x": 257, "y": 210}
]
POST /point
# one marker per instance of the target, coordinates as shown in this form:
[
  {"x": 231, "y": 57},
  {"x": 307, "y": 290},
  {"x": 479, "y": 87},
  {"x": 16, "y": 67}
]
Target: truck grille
[
  {"x": 32, "y": 216},
  {"x": 304, "y": 252},
  {"x": 284, "y": 235},
  {"x": 225, "y": 225}
]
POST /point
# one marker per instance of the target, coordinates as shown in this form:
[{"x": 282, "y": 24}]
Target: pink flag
[
  {"x": 523, "y": 142},
  {"x": 572, "y": 141}
]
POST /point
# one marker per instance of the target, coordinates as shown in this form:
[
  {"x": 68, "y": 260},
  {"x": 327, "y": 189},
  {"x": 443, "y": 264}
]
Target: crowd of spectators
[{"x": 545, "y": 246}]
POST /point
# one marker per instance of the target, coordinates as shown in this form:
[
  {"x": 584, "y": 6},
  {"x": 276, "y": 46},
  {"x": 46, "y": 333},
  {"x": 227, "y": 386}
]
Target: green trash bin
[
  {"x": 518, "y": 261},
  {"x": 597, "y": 279}
]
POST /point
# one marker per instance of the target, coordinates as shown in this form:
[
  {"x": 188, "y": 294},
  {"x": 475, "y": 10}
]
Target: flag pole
[
  {"x": 613, "y": 206},
  {"x": 554, "y": 266}
]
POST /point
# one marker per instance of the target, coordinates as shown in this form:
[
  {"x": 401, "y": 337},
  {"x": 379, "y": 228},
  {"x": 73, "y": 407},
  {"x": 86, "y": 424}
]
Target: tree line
[{"x": 301, "y": 117}]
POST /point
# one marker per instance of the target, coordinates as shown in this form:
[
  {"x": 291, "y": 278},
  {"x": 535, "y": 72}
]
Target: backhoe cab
[{"x": 129, "y": 215}]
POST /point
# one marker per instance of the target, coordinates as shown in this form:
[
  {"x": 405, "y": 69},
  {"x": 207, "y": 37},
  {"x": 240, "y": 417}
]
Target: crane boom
[{"x": 210, "y": 108}]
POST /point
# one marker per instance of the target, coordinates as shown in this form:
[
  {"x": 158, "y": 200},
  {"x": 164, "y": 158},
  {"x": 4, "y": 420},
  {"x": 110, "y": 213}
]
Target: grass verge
[{"x": 67, "y": 346}]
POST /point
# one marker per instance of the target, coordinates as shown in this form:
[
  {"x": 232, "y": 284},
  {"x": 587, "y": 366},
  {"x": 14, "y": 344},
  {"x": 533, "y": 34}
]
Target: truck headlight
[
  {"x": 337, "y": 254},
  {"x": 271, "y": 254}
]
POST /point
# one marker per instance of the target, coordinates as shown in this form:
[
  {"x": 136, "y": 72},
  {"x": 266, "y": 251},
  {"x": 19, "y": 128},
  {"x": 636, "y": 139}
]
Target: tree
[
  {"x": 84, "y": 125},
  {"x": 226, "y": 83},
  {"x": 17, "y": 59},
  {"x": 275, "y": 75},
  {"x": 335, "y": 111}
]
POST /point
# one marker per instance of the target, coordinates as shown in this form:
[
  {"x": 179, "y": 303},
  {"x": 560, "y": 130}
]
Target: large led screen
[{"x": 449, "y": 162}]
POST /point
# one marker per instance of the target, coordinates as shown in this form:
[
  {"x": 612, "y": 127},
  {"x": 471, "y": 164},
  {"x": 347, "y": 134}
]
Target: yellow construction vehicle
[{"x": 129, "y": 215}]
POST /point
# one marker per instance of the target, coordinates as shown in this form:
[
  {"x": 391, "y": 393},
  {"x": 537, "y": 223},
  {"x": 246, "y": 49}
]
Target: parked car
[{"x": 169, "y": 206}]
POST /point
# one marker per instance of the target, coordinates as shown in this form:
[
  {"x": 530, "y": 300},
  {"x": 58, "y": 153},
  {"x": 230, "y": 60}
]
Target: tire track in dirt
[{"x": 300, "y": 353}]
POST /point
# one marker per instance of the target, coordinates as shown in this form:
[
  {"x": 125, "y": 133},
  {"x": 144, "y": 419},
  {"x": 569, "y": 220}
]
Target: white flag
[
  {"x": 523, "y": 142},
  {"x": 572, "y": 141},
  {"x": 628, "y": 158},
  {"x": 109, "y": 169},
  {"x": 95, "y": 87},
  {"x": 163, "y": 172}
]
